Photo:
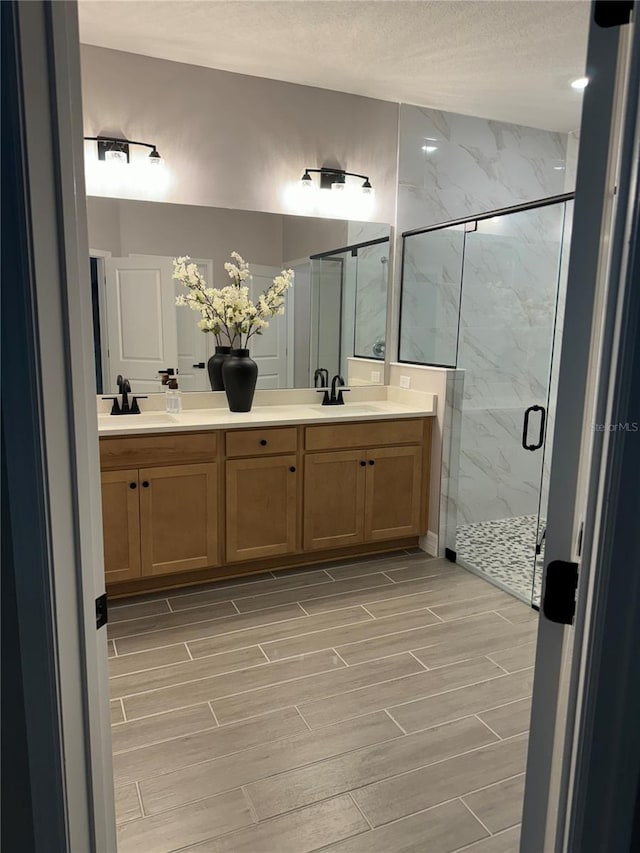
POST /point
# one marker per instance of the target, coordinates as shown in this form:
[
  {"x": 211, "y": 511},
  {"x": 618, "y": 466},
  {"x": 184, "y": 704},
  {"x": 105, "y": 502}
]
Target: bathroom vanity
[{"x": 207, "y": 495}]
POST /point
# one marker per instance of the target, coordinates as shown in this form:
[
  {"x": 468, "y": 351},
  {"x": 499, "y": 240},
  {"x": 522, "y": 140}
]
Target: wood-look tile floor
[{"x": 375, "y": 706}]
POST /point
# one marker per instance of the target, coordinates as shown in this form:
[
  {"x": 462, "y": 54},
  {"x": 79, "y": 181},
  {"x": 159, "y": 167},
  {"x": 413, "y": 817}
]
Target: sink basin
[
  {"x": 143, "y": 419},
  {"x": 347, "y": 409}
]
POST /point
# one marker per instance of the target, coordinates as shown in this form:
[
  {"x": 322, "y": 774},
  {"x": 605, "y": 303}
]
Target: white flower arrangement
[{"x": 228, "y": 312}]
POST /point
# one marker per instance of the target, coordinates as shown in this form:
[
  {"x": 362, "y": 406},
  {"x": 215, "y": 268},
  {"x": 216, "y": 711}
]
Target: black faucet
[
  {"x": 124, "y": 388},
  {"x": 336, "y": 398}
]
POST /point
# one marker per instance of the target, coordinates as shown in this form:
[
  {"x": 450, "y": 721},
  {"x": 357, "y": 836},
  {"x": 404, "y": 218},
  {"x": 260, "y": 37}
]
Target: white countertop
[{"x": 410, "y": 405}]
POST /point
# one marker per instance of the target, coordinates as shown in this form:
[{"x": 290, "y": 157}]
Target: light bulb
[
  {"x": 306, "y": 181},
  {"x": 115, "y": 156},
  {"x": 338, "y": 186},
  {"x": 580, "y": 83}
]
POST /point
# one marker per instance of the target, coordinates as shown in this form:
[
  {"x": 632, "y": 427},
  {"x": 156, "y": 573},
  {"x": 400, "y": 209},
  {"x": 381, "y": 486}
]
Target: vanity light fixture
[
  {"x": 113, "y": 149},
  {"x": 334, "y": 179}
]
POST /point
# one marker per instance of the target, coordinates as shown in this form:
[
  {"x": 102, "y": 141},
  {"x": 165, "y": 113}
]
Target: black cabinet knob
[
  {"x": 263, "y": 442},
  {"x": 363, "y": 463},
  {"x": 293, "y": 469},
  {"x": 371, "y": 462},
  {"x": 200, "y": 364},
  {"x": 133, "y": 485},
  {"x": 145, "y": 484}
]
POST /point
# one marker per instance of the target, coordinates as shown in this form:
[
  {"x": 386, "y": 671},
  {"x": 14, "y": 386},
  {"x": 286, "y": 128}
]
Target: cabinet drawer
[
  {"x": 130, "y": 451},
  {"x": 364, "y": 434},
  {"x": 261, "y": 442}
]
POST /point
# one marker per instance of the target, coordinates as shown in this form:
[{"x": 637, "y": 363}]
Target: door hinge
[
  {"x": 101, "y": 611},
  {"x": 561, "y": 584}
]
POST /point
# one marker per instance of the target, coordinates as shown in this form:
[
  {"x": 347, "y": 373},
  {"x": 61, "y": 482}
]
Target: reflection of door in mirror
[
  {"x": 269, "y": 350},
  {"x": 141, "y": 320}
]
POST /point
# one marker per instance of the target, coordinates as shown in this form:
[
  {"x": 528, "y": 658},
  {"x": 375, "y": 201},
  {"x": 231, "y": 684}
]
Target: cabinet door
[
  {"x": 393, "y": 493},
  {"x": 261, "y": 507},
  {"x": 178, "y": 518},
  {"x": 334, "y": 499},
  {"x": 121, "y": 525}
]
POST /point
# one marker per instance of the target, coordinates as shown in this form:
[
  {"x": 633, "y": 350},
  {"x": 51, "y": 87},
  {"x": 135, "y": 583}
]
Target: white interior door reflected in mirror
[
  {"x": 194, "y": 347},
  {"x": 141, "y": 319},
  {"x": 269, "y": 350}
]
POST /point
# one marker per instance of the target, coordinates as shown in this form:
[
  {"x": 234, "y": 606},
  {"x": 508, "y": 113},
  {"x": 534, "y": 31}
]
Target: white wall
[{"x": 236, "y": 141}]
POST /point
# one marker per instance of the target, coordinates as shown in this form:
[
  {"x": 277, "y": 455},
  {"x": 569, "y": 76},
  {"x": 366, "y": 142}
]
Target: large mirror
[{"x": 336, "y": 310}]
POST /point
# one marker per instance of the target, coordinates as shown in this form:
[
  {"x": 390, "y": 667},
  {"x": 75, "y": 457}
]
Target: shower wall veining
[{"x": 452, "y": 166}]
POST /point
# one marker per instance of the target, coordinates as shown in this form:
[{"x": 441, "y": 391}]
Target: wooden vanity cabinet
[
  {"x": 229, "y": 502},
  {"x": 261, "y": 507},
  {"x": 159, "y": 519},
  {"x": 178, "y": 518},
  {"x": 121, "y": 525},
  {"x": 369, "y": 494}
]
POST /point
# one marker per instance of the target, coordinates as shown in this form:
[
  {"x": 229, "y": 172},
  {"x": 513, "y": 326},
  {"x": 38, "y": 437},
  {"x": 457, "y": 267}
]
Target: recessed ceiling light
[
  {"x": 580, "y": 83},
  {"x": 429, "y": 148}
]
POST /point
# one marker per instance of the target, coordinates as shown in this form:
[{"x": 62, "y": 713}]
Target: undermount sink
[
  {"x": 143, "y": 419},
  {"x": 347, "y": 409}
]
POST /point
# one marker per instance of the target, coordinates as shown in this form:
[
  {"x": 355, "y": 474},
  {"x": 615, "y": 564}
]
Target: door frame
[
  {"x": 51, "y": 441},
  {"x": 568, "y": 679}
]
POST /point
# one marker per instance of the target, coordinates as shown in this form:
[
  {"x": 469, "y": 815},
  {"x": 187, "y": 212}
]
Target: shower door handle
[{"x": 525, "y": 427}]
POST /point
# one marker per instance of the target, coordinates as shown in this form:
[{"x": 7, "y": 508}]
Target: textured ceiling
[{"x": 510, "y": 60}]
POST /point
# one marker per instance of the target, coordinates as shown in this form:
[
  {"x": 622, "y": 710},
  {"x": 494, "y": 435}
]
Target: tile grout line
[
  {"x": 191, "y": 657},
  {"x": 503, "y": 617},
  {"x": 480, "y": 720},
  {"x": 439, "y": 618},
  {"x": 214, "y": 716},
  {"x": 393, "y": 720},
  {"x": 124, "y": 713},
  {"x": 367, "y": 611},
  {"x": 338, "y": 655},
  {"x": 266, "y": 656},
  {"x": 140, "y": 803},
  {"x": 171, "y": 610},
  {"x": 303, "y": 718},
  {"x": 422, "y": 664},
  {"x": 254, "y": 813},
  {"x": 468, "y": 847},
  {"x": 233, "y": 604},
  {"x": 473, "y": 814},
  {"x": 355, "y": 803},
  {"x": 488, "y": 657}
]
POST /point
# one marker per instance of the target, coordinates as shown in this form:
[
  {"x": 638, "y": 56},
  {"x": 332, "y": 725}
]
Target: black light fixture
[
  {"x": 334, "y": 179},
  {"x": 113, "y": 149}
]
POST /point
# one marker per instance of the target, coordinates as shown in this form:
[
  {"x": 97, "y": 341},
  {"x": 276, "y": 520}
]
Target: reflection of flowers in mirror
[{"x": 229, "y": 313}]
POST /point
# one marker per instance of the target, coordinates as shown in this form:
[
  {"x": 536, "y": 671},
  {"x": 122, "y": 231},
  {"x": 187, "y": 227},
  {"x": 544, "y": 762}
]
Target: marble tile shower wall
[
  {"x": 452, "y": 166},
  {"x": 476, "y": 165}
]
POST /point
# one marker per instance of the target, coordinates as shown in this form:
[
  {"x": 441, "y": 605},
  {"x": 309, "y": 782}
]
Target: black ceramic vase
[
  {"x": 240, "y": 374},
  {"x": 214, "y": 366}
]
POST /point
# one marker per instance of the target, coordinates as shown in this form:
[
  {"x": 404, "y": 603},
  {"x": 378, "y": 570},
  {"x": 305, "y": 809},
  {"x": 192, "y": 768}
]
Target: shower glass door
[{"x": 510, "y": 280}]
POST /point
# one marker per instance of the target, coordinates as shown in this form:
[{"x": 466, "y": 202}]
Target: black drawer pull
[
  {"x": 293, "y": 469},
  {"x": 145, "y": 484},
  {"x": 133, "y": 485},
  {"x": 263, "y": 442},
  {"x": 363, "y": 463},
  {"x": 371, "y": 462}
]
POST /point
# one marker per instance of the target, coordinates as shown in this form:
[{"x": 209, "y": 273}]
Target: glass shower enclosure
[
  {"x": 349, "y": 305},
  {"x": 485, "y": 296}
]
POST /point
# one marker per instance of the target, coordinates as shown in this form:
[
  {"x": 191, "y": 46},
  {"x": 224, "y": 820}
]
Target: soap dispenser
[{"x": 174, "y": 395}]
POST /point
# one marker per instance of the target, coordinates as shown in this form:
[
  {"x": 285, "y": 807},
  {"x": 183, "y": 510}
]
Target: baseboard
[{"x": 429, "y": 543}]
